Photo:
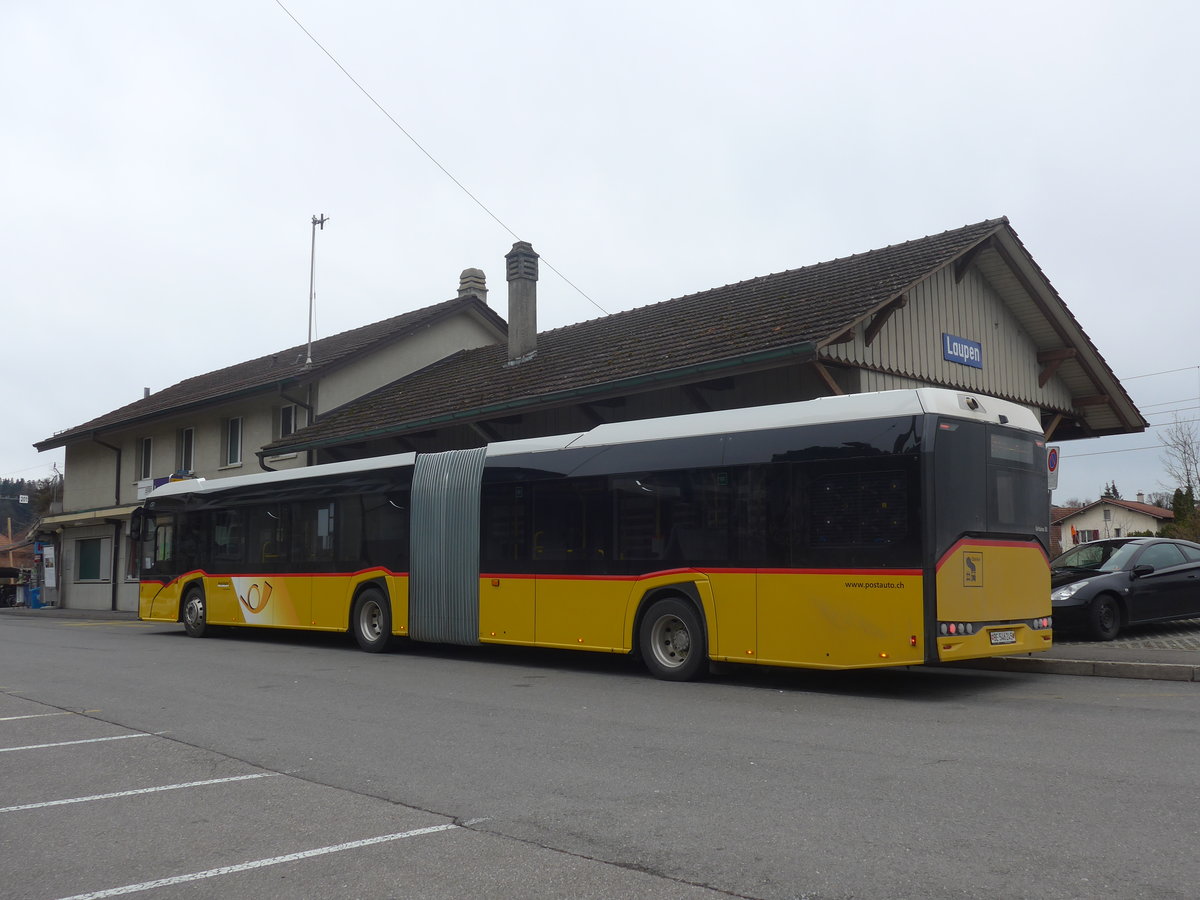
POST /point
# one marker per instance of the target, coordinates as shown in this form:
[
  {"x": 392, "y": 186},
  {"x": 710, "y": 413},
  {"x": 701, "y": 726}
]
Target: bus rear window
[{"x": 1012, "y": 448}]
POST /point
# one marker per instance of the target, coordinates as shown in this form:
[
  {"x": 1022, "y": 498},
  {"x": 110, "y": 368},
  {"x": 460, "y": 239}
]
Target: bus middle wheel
[
  {"x": 372, "y": 621},
  {"x": 672, "y": 641}
]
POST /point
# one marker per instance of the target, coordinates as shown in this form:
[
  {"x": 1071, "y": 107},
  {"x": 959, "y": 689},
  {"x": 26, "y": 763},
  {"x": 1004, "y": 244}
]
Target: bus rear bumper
[{"x": 994, "y": 640}]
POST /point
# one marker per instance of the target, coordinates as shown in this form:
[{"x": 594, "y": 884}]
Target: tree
[
  {"x": 1111, "y": 492},
  {"x": 1181, "y": 458},
  {"x": 1186, "y": 524}
]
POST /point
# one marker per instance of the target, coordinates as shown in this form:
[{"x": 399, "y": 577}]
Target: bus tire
[
  {"x": 371, "y": 620},
  {"x": 195, "y": 612},
  {"x": 1104, "y": 618},
  {"x": 672, "y": 641}
]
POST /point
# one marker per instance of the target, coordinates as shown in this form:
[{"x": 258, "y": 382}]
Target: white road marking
[
  {"x": 131, "y": 793},
  {"x": 256, "y": 864},
  {"x": 34, "y": 716},
  {"x": 119, "y": 737}
]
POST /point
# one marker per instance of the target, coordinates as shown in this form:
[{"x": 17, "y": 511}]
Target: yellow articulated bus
[{"x": 886, "y": 529}]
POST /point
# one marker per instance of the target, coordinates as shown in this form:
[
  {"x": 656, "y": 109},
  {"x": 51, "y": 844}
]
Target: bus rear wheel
[
  {"x": 372, "y": 621},
  {"x": 195, "y": 613},
  {"x": 672, "y": 641}
]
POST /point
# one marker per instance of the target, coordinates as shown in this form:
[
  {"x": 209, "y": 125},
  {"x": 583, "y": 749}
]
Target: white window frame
[
  {"x": 232, "y": 430},
  {"x": 105, "y": 561},
  {"x": 145, "y": 458},
  {"x": 186, "y": 461},
  {"x": 288, "y": 412}
]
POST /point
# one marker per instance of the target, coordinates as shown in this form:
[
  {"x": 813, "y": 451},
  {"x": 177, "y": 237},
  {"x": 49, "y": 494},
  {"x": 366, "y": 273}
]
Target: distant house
[
  {"x": 1108, "y": 518},
  {"x": 215, "y": 425}
]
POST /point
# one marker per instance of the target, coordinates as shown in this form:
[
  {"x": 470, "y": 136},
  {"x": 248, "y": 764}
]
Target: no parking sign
[{"x": 1052, "y": 467}]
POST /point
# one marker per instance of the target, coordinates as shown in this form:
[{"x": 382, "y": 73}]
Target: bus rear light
[{"x": 912, "y": 640}]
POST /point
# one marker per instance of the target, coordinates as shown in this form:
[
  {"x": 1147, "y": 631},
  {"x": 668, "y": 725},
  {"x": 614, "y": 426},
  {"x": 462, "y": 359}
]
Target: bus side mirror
[{"x": 137, "y": 524}]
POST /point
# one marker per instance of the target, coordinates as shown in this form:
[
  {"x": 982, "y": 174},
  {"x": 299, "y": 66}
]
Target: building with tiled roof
[
  {"x": 894, "y": 317},
  {"x": 214, "y": 425},
  {"x": 1112, "y": 518}
]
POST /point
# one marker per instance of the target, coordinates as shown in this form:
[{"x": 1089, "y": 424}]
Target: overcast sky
[{"x": 160, "y": 164}]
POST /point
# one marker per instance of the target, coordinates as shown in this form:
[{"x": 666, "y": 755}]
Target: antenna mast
[{"x": 312, "y": 281}]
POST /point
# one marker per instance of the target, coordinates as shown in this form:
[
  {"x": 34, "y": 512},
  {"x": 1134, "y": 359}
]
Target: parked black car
[{"x": 1102, "y": 586}]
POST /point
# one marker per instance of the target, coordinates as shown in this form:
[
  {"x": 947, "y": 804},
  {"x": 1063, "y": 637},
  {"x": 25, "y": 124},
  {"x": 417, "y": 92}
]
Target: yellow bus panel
[{"x": 841, "y": 620}]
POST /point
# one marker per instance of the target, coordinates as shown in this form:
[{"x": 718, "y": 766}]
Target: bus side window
[
  {"x": 228, "y": 536},
  {"x": 504, "y": 523},
  {"x": 383, "y": 534},
  {"x": 314, "y": 534},
  {"x": 164, "y": 542},
  {"x": 572, "y": 521}
]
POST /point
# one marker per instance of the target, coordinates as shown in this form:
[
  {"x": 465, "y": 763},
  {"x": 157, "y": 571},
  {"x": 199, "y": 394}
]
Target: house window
[
  {"x": 187, "y": 448},
  {"x": 287, "y": 420},
  {"x": 91, "y": 558},
  {"x": 232, "y": 443},
  {"x": 144, "y": 451}
]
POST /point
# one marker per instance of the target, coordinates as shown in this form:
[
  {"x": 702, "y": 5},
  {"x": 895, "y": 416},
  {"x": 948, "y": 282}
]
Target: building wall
[
  {"x": 909, "y": 346},
  {"x": 402, "y": 358},
  {"x": 94, "y": 593},
  {"x": 92, "y": 483}
]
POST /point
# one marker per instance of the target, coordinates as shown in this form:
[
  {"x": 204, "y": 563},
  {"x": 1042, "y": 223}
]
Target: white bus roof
[{"x": 847, "y": 408}]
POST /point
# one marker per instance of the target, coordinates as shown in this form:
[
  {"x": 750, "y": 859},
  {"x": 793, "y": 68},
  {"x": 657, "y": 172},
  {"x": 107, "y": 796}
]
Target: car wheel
[
  {"x": 372, "y": 621},
  {"x": 195, "y": 613},
  {"x": 1104, "y": 618},
  {"x": 672, "y": 641}
]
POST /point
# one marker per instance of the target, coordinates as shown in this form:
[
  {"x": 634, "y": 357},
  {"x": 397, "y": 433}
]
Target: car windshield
[
  {"x": 1091, "y": 556},
  {"x": 1119, "y": 559}
]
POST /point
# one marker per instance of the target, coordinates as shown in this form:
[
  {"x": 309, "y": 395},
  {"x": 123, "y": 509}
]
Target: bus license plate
[{"x": 1003, "y": 637}]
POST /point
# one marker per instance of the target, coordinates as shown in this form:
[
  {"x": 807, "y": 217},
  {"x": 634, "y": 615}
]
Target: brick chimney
[
  {"x": 472, "y": 281},
  {"x": 522, "y": 301}
]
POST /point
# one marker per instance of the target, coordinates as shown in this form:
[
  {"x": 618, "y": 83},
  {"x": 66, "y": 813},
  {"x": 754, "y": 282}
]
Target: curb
[{"x": 1095, "y": 668}]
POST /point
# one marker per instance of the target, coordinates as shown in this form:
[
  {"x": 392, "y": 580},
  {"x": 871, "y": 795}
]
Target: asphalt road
[{"x": 275, "y": 765}]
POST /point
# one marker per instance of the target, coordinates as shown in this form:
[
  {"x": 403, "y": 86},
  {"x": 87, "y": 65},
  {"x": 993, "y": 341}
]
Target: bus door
[
  {"x": 577, "y": 604},
  {"x": 506, "y": 580}
]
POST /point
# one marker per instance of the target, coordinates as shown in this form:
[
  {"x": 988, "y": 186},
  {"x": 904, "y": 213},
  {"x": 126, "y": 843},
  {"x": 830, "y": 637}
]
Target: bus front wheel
[
  {"x": 672, "y": 641},
  {"x": 195, "y": 614},
  {"x": 372, "y": 621}
]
